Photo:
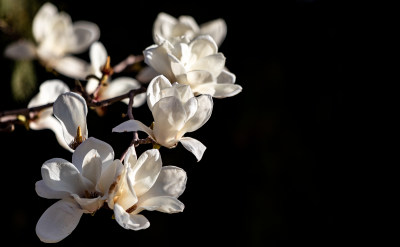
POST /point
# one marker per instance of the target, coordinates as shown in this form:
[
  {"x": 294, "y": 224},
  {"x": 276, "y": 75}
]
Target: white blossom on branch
[
  {"x": 143, "y": 184},
  {"x": 175, "y": 111},
  {"x": 197, "y": 64},
  {"x": 82, "y": 187},
  {"x": 56, "y": 37}
]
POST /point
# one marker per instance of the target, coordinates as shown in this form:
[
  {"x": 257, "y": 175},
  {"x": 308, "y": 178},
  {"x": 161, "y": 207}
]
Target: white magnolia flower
[
  {"x": 112, "y": 88},
  {"x": 143, "y": 184},
  {"x": 56, "y": 37},
  {"x": 48, "y": 93},
  {"x": 82, "y": 187},
  {"x": 167, "y": 27},
  {"x": 71, "y": 110},
  {"x": 175, "y": 111},
  {"x": 198, "y": 64}
]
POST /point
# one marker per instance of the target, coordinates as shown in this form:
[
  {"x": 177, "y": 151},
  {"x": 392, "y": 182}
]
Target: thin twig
[{"x": 131, "y": 59}]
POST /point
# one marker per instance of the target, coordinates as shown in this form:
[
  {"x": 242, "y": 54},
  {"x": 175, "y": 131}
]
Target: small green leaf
[{"x": 23, "y": 80}]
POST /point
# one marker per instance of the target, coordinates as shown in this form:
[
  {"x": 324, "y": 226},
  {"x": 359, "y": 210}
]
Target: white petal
[
  {"x": 218, "y": 90},
  {"x": 120, "y": 86},
  {"x": 216, "y": 29},
  {"x": 85, "y": 33},
  {"x": 189, "y": 21},
  {"x": 44, "y": 191},
  {"x": 91, "y": 166},
  {"x": 53, "y": 124},
  {"x": 194, "y": 146},
  {"x": 165, "y": 204},
  {"x": 98, "y": 57},
  {"x": 128, "y": 221},
  {"x": 58, "y": 221},
  {"x": 42, "y": 20},
  {"x": 48, "y": 92},
  {"x": 157, "y": 57},
  {"x": 203, "y": 113},
  {"x": 61, "y": 175},
  {"x": 133, "y": 125},
  {"x": 104, "y": 150},
  {"x": 214, "y": 64},
  {"x": 89, "y": 205},
  {"x": 131, "y": 157},
  {"x": 145, "y": 171},
  {"x": 72, "y": 67},
  {"x": 162, "y": 26},
  {"x": 203, "y": 46},
  {"x": 91, "y": 85},
  {"x": 146, "y": 74},
  {"x": 156, "y": 86},
  {"x": 108, "y": 176},
  {"x": 21, "y": 50},
  {"x": 171, "y": 182},
  {"x": 196, "y": 77},
  {"x": 226, "y": 77},
  {"x": 71, "y": 110},
  {"x": 169, "y": 118}
]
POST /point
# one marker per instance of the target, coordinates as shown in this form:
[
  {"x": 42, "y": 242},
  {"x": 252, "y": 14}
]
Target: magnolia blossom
[
  {"x": 198, "y": 64},
  {"x": 71, "y": 110},
  {"x": 167, "y": 27},
  {"x": 48, "y": 93},
  {"x": 143, "y": 184},
  {"x": 82, "y": 187},
  {"x": 56, "y": 37},
  {"x": 113, "y": 88},
  {"x": 175, "y": 111}
]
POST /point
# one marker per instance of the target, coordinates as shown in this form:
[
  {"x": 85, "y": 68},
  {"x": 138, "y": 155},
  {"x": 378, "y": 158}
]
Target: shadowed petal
[
  {"x": 85, "y": 33},
  {"x": 58, "y": 221},
  {"x": 71, "y": 110},
  {"x": 104, "y": 150},
  {"x": 21, "y": 50},
  {"x": 165, "y": 204},
  {"x": 129, "y": 221},
  {"x": 194, "y": 146},
  {"x": 217, "y": 29},
  {"x": 44, "y": 191}
]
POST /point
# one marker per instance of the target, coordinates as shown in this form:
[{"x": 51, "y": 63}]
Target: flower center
[
  {"x": 131, "y": 209},
  {"x": 78, "y": 139},
  {"x": 91, "y": 194}
]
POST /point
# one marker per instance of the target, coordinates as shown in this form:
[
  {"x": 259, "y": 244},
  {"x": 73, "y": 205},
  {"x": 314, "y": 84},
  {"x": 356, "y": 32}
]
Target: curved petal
[
  {"x": 91, "y": 166},
  {"x": 203, "y": 46},
  {"x": 196, "y": 77},
  {"x": 48, "y": 92},
  {"x": 213, "y": 63},
  {"x": 121, "y": 191},
  {"x": 128, "y": 221},
  {"x": 91, "y": 85},
  {"x": 146, "y": 74},
  {"x": 194, "y": 146},
  {"x": 85, "y": 34},
  {"x": 131, "y": 157},
  {"x": 42, "y": 21},
  {"x": 53, "y": 124},
  {"x": 60, "y": 175},
  {"x": 171, "y": 182},
  {"x": 157, "y": 57},
  {"x": 104, "y": 150},
  {"x": 119, "y": 86},
  {"x": 217, "y": 29},
  {"x": 44, "y": 191},
  {"x": 58, "y": 221},
  {"x": 98, "y": 57},
  {"x": 189, "y": 21},
  {"x": 162, "y": 27},
  {"x": 169, "y": 118},
  {"x": 133, "y": 125},
  {"x": 203, "y": 113},
  {"x": 72, "y": 67},
  {"x": 218, "y": 90},
  {"x": 21, "y": 50},
  {"x": 71, "y": 110},
  {"x": 165, "y": 204},
  {"x": 108, "y": 176},
  {"x": 226, "y": 77},
  {"x": 145, "y": 172},
  {"x": 89, "y": 205},
  {"x": 156, "y": 86}
]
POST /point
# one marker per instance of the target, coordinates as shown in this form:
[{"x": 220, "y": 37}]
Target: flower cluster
[{"x": 184, "y": 72}]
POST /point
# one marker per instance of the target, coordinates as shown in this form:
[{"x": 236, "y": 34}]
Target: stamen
[{"x": 78, "y": 139}]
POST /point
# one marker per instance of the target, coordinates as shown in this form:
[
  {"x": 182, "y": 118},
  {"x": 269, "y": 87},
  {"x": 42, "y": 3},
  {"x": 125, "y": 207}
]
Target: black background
[{"x": 276, "y": 165}]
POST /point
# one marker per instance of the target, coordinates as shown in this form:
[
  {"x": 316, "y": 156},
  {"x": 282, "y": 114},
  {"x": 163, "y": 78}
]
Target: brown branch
[{"x": 131, "y": 59}]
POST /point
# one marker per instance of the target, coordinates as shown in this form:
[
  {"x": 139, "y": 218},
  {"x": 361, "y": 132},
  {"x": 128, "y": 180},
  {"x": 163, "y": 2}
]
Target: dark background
[{"x": 276, "y": 168}]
